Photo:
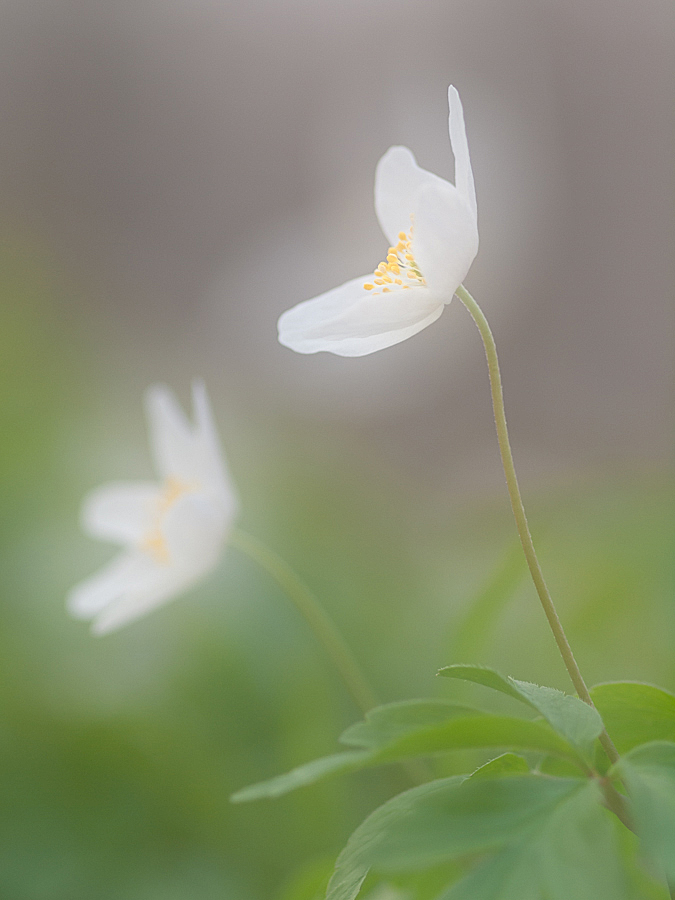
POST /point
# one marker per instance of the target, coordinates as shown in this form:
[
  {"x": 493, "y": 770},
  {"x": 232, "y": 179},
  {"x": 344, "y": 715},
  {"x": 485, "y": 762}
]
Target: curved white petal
[
  {"x": 171, "y": 435},
  {"x": 460, "y": 148},
  {"x": 121, "y": 512},
  {"x": 350, "y": 321},
  {"x": 124, "y": 573},
  {"x": 445, "y": 240},
  {"x": 398, "y": 179}
]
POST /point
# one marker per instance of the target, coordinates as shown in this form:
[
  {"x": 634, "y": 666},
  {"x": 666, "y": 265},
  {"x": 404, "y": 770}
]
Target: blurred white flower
[
  {"x": 172, "y": 531},
  {"x": 432, "y": 227}
]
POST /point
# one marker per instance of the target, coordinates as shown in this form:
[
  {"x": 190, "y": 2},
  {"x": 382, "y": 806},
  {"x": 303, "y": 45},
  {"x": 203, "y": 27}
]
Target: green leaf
[
  {"x": 349, "y": 761},
  {"x": 390, "y": 734},
  {"x": 569, "y": 716},
  {"x": 385, "y": 724},
  {"x": 478, "y": 731},
  {"x": 444, "y": 820},
  {"x": 649, "y": 775},
  {"x": 485, "y": 676},
  {"x": 571, "y": 854},
  {"x": 635, "y": 713},
  {"x": 575, "y": 720},
  {"x": 502, "y": 766}
]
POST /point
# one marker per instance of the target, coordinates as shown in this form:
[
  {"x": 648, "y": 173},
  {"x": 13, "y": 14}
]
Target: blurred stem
[
  {"x": 519, "y": 510},
  {"x": 325, "y": 630}
]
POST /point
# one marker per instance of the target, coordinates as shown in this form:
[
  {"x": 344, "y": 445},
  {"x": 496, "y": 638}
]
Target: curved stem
[
  {"x": 519, "y": 510},
  {"x": 314, "y": 614}
]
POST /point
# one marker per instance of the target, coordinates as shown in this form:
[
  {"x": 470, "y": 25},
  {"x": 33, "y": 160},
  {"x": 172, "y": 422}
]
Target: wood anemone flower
[
  {"x": 172, "y": 531},
  {"x": 432, "y": 229}
]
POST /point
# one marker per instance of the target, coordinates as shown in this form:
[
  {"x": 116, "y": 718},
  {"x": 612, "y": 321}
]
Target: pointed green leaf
[
  {"x": 575, "y": 720},
  {"x": 569, "y": 716},
  {"x": 485, "y": 676},
  {"x": 635, "y": 713},
  {"x": 349, "y": 761},
  {"x": 649, "y": 775},
  {"x": 444, "y": 820}
]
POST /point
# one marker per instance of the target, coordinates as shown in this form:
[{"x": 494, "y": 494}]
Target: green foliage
[
  {"x": 635, "y": 713},
  {"x": 400, "y": 731},
  {"x": 575, "y": 720},
  {"x": 448, "y": 819},
  {"x": 570, "y": 851},
  {"x": 542, "y": 835},
  {"x": 649, "y": 775}
]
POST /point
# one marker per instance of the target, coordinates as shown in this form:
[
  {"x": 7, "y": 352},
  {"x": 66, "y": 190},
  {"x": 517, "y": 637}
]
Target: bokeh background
[{"x": 175, "y": 174}]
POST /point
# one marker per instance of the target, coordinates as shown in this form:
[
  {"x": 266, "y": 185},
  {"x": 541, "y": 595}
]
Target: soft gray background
[{"x": 197, "y": 167}]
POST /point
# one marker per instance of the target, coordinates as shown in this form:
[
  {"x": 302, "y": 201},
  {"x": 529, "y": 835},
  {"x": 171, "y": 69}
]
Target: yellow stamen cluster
[
  {"x": 399, "y": 269},
  {"x": 154, "y": 542}
]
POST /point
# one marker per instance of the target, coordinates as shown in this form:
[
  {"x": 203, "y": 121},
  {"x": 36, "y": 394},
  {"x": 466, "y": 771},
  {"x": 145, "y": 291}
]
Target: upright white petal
[
  {"x": 398, "y": 180},
  {"x": 446, "y": 239},
  {"x": 214, "y": 475},
  {"x": 460, "y": 148},
  {"x": 121, "y": 512},
  {"x": 171, "y": 435}
]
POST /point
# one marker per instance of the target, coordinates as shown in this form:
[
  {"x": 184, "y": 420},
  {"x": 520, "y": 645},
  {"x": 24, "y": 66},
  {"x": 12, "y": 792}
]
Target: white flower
[
  {"x": 172, "y": 532},
  {"x": 432, "y": 228}
]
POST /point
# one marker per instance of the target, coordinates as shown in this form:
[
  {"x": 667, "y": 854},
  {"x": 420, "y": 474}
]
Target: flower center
[
  {"x": 400, "y": 269},
  {"x": 154, "y": 541}
]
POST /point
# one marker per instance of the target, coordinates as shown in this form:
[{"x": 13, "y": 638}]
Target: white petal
[
  {"x": 121, "y": 512},
  {"x": 135, "y": 602},
  {"x": 445, "y": 240},
  {"x": 213, "y": 474},
  {"x": 126, "y": 572},
  {"x": 171, "y": 435},
  {"x": 350, "y": 321},
  {"x": 398, "y": 179},
  {"x": 460, "y": 148},
  {"x": 194, "y": 532}
]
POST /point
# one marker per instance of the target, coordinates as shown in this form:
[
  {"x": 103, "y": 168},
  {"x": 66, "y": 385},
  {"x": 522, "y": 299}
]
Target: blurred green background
[{"x": 174, "y": 177}]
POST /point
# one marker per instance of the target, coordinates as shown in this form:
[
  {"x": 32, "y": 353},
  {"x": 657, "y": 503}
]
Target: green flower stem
[
  {"x": 316, "y": 617},
  {"x": 519, "y": 511}
]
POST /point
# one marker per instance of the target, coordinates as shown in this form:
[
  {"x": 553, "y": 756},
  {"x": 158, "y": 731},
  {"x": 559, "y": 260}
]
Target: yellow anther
[
  {"x": 394, "y": 268},
  {"x": 369, "y": 287},
  {"x": 392, "y": 258},
  {"x": 378, "y": 281},
  {"x": 386, "y": 290},
  {"x": 402, "y": 236},
  {"x": 398, "y": 281},
  {"x": 388, "y": 279},
  {"x": 410, "y": 257}
]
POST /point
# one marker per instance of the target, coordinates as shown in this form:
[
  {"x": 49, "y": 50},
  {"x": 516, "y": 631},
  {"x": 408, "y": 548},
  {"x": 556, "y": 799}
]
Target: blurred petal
[
  {"x": 398, "y": 179},
  {"x": 121, "y": 512},
  {"x": 171, "y": 435},
  {"x": 460, "y": 148},
  {"x": 350, "y": 321},
  {"x": 446, "y": 239},
  {"x": 212, "y": 472},
  {"x": 194, "y": 532},
  {"x": 124, "y": 573}
]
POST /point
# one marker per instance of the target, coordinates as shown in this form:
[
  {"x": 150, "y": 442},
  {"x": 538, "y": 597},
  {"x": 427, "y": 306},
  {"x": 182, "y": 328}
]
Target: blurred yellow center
[
  {"x": 399, "y": 270},
  {"x": 154, "y": 541}
]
